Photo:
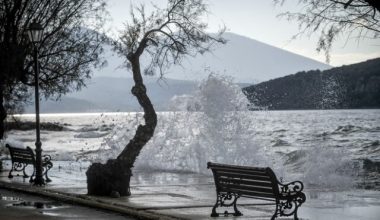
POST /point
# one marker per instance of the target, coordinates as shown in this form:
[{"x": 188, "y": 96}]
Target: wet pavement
[
  {"x": 16, "y": 205},
  {"x": 171, "y": 195}
]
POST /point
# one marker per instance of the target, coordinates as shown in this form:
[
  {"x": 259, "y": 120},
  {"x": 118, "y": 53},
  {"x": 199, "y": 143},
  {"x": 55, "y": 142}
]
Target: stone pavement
[
  {"x": 21, "y": 206},
  {"x": 171, "y": 195}
]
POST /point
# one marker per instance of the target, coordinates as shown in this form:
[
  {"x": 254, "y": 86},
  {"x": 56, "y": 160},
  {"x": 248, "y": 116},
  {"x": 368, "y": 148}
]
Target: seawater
[{"x": 321, "y": 147}]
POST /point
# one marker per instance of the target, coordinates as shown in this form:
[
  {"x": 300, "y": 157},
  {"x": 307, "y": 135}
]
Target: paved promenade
[{"x": 170, "y": 195}]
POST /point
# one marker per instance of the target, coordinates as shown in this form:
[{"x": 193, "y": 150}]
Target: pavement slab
[
  {"x": 21, "y": 206},
  {"x": 172, "y": 195}
]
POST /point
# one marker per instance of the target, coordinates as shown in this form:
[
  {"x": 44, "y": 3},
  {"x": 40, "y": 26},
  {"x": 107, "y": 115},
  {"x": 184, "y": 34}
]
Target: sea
[{"x": 324, "y": 148}]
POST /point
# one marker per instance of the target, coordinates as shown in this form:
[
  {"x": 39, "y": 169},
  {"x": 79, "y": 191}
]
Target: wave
[
  {"x": 371, "y": 166},
  {"x": 347, "y": 129},
  {"x": 279, "y": 142},
  {"x": 371, "y": 148},
  {"x": 91, "y": 134}
]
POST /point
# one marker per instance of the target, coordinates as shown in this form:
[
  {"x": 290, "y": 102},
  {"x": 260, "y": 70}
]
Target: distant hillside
[
  {"x": 65, "y": 105},
  {"x": 245, "y": 59},
  {"x": 114, "y": 94},
  {"x": 351, "y": 86}
]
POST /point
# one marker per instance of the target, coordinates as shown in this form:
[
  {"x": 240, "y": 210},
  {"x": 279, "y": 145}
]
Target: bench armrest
[
  {"x": 46, "y": 157},
  {"x": 46, "y": 161},
  {"x": 290, "y": 188}
]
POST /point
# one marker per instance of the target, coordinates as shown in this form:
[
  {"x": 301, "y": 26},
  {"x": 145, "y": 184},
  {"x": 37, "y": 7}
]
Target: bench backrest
[
  {"x": 21, "y": 155},
  {"x": 257, "y": 182}
]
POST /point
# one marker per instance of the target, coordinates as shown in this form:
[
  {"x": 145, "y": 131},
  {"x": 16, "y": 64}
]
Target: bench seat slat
[
  {"x": 22, "y": 155},
  {"x": 21, "y": 160},
  {"x": 243, "y": 176},
  {"x": 267, "y": 183},
  {"x": 20, "y": 151},
  {"x": 235, "y": 170},
  {"x": 249, "y": 193},
  {"x": 26, "y": 157},
  {"x": 217, "y": 165},
  {"x": 247, "y": 188}
]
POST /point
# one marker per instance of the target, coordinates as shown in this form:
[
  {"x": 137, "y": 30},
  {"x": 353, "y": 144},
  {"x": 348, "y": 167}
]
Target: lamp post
[
  {"x": 3, "y": 113},
  {"x": 35, "y": 36}
]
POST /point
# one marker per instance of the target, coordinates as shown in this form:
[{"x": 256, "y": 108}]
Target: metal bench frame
[
  {"x": 21, "y": 158},
  {"x": 233, "y": 182}
]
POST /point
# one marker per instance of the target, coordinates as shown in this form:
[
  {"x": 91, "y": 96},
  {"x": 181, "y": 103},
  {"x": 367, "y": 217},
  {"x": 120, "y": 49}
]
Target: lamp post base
[{"x": 39, "y": 179}]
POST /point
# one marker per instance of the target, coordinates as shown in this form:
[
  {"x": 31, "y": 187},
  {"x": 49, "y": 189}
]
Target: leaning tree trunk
[{"x": 114, "y": 176}]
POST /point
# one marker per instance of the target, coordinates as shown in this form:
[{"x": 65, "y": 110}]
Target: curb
[{"x": 87, "y": 201}]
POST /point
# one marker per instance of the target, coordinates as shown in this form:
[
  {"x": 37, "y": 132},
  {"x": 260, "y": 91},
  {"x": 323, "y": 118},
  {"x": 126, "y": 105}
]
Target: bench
[
  {"x": 233, "y": 182},
  {"x": 22, "y": 157}
]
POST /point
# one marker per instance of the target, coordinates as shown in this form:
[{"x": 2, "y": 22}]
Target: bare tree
[
  {"x": 167, "y": 36},
  {"x": 68, "y": 51},
  {"x": 330, "y": 18}
]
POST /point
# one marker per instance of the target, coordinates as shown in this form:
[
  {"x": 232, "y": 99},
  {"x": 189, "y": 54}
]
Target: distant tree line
[{"x": 351, "y": 86}]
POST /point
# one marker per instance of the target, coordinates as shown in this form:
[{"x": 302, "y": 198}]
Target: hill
[
  {"x": 113, "y": 94},
  {"x": 245, "y": 59},
  {"x": 351, "y": 86}
]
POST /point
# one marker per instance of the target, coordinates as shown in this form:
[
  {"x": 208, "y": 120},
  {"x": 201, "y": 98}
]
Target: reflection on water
[
  {"x": 9, "y": 198},
  {"x": 38, "y": 205}
]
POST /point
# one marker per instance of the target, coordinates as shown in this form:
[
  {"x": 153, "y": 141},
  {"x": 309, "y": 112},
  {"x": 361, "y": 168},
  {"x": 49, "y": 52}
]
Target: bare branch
[{"x": 332, "y": 18}]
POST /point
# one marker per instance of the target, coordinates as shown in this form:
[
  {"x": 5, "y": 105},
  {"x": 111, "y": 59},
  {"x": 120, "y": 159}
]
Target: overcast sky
[{"x": 257, "y": 19}]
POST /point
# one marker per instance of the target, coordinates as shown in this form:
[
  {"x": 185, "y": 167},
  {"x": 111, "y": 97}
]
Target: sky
[{"x": 257, "y": 19}]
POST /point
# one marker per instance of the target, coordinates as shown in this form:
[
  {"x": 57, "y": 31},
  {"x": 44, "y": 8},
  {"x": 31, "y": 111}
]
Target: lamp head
[{"x": 35, "y": 32}]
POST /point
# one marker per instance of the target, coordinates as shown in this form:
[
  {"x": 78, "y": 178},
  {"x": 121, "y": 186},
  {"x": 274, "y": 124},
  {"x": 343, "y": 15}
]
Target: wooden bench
[
  {"x": 22, "y": 157},
  {"x": 233, "y": 182}
]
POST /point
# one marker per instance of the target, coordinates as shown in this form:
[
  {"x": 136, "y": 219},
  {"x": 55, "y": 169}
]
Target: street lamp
[
  {"x": 2, "y": 76},
  {"x": 35, "y": 33}
]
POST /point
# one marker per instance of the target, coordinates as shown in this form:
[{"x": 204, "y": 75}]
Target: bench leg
[
  {"x": 17, "y": 166},
  {"x": 221, "y": 199},
  {"x": 237, "y": 212},
  {"x": 23, "y": 171},
  {"x": 47, "y": 165},
  {"x": 276, "y": 211},
  {"x": 213, "y": 213},
  {"x": 48, "y": 180},
  {"x": 290, "y": 206},
  {"x": 31, "y": 180},
  {"x": 10, "y": 176},
  {"x": 295, "y": 216}
]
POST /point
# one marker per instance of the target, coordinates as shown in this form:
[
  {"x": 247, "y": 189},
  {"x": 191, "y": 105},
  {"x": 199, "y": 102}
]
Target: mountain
[
  {"x": 245, "y": 59},
  {"x": 113, "y": 94},
  {"x": 351, "y": 86},
  {"x": 65, "y": 105}
]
